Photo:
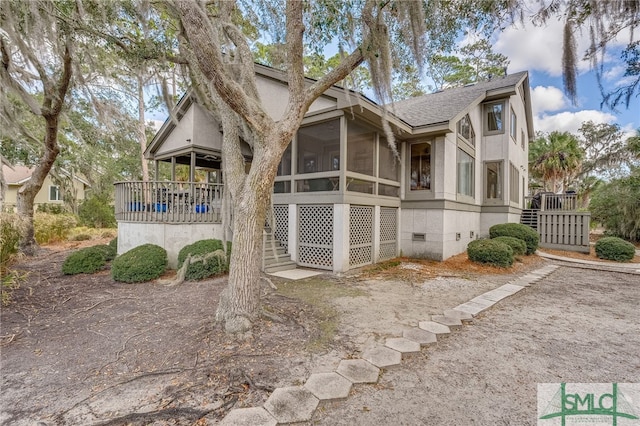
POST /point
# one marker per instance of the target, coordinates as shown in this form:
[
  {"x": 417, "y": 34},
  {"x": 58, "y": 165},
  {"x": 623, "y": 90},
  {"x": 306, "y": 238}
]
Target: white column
[
  {"x": 292, "y": 242},
  {"x": 340, "y": 237}
]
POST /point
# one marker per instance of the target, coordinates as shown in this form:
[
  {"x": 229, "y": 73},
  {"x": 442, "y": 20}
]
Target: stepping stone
[
  {"x": 496, "y": 295},
  {"x": 382, "y": 357},
  {"x": 358, "y": 371},
  {"x": 470, "y": 308},
  {"x": 402, "y": 345},
  {"x": 420, "y": 336},
  {"x": 291, "y": 404},
  {"x": 452, "y": 323},
  {"x": 327, "y": 386},
  {"x": 482, "y": 302},
  {"x": 521, "y": 282},
  {"x": 462, "y": 316},
  {"x": 510, "y": 287},
  {"x": 255, "y": 416},
  {"x": 434, "y": 327}
]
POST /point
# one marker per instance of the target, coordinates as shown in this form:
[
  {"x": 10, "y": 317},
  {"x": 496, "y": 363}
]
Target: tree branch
[{"x": 10, "y": 82}]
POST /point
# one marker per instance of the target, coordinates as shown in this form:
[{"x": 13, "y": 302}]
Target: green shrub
[
  {"x": 97, "y": 212},
  {"x": 50, "y": 228},
  {"x": 518, "y": 246},
  {"x": 84, "y": 261},
  {"x": 114, "y": 243},
  {"x": 517, "y": 230},
  {"x": 215, "y": 260},
  {"x": 52, "y": 208},
  {"x": 490, "y": 251},
  {"x": 108, "y": 252},
  {"x": 142, "y": 263},
  {"x": 81, "y": 237},
  {"x": 614, "y": 248},
  {"x": 10, "y": 230}
]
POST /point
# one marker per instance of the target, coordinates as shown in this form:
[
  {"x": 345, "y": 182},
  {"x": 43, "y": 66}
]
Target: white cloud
[
  {"x": 156, "y": 124},
  {"x": 538, "y": 47},
  {"x": 547, "y": 98},
  {"x": 570, "y": 121}
]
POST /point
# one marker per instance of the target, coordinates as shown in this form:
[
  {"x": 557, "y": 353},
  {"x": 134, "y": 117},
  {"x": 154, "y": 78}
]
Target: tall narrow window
[
  {"x": 494, "y": 118},
  {"x": 514, "y": 180},
  {"x": 54, "y": 193},
  {"x": 513, "y": 128},
  {"x": 420, "y": 166},
  {"x": 522, "y": 139},
  {"x": 493, "y": 180},
  {"x": 465, "y": 173},
  {"x": 465, "y": 130}
]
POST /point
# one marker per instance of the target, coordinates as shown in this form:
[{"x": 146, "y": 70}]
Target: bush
[
  {"x": 81, "y": 237},
  {"x": 84, "y": 261},
  {"x": 614, "y": 248},
  {"x": 517, "y": 230},
  {"x": 216, "y": 261},
  {"x": 10, "y": 230},
  {"x": 114, "y": 243},
  {"x": 518, "y": 246},
  {"x": 97, "y": 212},
  {"x": 142, "y": 263},
  {"x": 50, "y": 228},
  {"x": 490, "y": 251},
  {"x": 108, "y": 252}
]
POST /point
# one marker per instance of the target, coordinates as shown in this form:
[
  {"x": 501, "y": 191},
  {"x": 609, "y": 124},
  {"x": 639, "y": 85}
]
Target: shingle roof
[
  {"x": 442, "y": 106},
  {"x": 17, "y": 175}
]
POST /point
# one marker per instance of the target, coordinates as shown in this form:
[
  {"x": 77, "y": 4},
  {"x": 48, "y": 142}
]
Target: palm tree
[{"x": 556, "y": 159}]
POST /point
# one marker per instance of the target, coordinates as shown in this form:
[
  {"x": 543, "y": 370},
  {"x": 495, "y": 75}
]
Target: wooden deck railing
[
  {"x": 168, "y": 202},
  {"x": 552, "y": 202}
]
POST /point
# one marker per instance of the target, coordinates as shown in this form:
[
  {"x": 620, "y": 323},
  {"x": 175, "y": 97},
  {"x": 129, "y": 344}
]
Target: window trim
[
  {"x": 430, "y": 189},
  {"x": 513, "y": 125},
  {"x": 58, "y": 193},
  {"x": 486, "y": 199},
  {"x": 472, "y": 140},
  {"x": 514, "y": 190},
  {"x": 460, "y": 195},
  {"x": 485, "y": 118}
]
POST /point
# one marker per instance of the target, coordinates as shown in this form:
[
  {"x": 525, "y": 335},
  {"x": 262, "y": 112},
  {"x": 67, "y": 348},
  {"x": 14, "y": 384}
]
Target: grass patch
[{"x": 318, "y": 292}]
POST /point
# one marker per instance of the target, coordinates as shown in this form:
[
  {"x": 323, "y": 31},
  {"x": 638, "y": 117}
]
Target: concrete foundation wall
[{"x": 173, "y": 237}]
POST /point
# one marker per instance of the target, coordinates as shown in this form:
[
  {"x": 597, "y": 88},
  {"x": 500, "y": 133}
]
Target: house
[
  {"x": 342, "y": 197},
  {"x": 52, "y": 191}
]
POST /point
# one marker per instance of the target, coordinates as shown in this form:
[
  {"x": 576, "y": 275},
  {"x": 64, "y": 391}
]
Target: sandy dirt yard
[{"x": 86, "y": 350}]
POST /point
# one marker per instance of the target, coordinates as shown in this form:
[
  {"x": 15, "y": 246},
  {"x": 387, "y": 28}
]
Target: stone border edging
[{"x": 299, "y": 403}]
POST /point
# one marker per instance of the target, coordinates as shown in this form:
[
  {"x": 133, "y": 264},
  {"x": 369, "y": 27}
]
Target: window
[
  {"x": 493, "y": 180},
  {"x": 360, "y": 149},
  {"x": 284, "y": 168},
  {"x": 522, "y": 139},
  {"x": 493, "y": 113},
  {"x": 513, "y": 128},
  {"x": 465, "y": 173},
  {"x": 465, "y": 130},
  {"x": 514, "y": 180},
  {"x": 389, "y": 167},
  {"x": 319, "y": 147},
  {"x": 420, "y": 166},
  {"x": 54, "y": 193}
]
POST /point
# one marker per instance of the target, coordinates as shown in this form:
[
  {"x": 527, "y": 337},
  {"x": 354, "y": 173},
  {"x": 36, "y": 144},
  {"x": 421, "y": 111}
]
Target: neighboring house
[
  {"x": 342, "y": 198},
  {"x": 50, "y": 193}
]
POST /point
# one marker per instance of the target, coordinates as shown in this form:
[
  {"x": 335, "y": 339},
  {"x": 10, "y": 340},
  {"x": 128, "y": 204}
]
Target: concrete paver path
[{"x": 576, "y": 325}]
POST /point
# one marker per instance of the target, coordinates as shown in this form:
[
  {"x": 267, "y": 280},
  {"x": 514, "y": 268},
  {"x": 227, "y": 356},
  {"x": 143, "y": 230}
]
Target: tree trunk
[
  {"x": 28, "y": 191},
  {"x": 239, "y": 303}
]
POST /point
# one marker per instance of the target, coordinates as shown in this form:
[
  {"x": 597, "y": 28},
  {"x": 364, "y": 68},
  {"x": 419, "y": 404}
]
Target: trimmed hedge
[
  {"x": 518, "y": 246},
  {"x": 143, "y": 263},
  {"x": 85, "y": 261},
  {"x": 517, "y": 230},
  {"x": 114, "y": 243},
  {"x": 108, "y": 251},
  {"x": 614, "y": 248},
  {"x": 214, "y": 261},
  {"x": 490, "y": 251}
]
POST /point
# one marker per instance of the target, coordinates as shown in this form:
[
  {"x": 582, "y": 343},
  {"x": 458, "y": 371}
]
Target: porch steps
[
  {"x": 278, "y": 261},
  {"x": 529, "y": 217}
]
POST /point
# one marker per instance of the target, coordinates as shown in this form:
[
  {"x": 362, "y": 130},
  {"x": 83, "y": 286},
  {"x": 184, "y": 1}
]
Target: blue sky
[{"x": 539, "y": 50}]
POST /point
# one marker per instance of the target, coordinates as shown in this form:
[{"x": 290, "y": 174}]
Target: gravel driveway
[{"x": 575, "y": 326}]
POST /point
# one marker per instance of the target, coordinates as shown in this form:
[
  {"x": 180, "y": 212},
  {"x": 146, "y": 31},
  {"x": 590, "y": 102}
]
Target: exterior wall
[
  {"x": 173, "y": 237},
  {"x": 179, "y": 135},
  {"x": 206, "y": 130},
  {"x": 42, "y": 197},
  {"x": 275, "y": 95},
  {"x": 447, "y": 232}
]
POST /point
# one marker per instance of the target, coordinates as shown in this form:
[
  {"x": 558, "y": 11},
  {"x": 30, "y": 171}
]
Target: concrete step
[
  {"x": 272, "y": 260},
  {"x": 283, "y": 266}
]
